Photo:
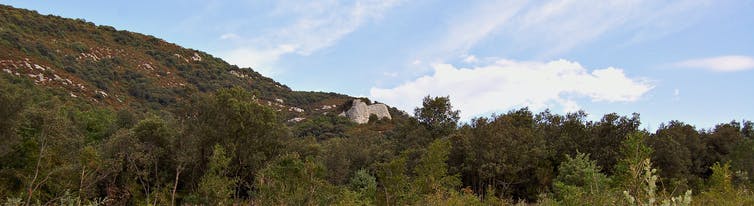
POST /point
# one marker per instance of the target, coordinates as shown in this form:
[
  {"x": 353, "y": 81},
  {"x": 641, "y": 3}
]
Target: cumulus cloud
[
  {"x": 508, "y": 84},
  {"x": 719, "y": 64}
]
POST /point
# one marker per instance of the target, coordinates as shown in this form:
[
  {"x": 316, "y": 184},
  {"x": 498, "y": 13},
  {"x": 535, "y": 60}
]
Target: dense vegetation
[
  {"x": 220, "y": 142},
  {"x": 224, "y": 148},
  {"x": 124, "y": 70}
]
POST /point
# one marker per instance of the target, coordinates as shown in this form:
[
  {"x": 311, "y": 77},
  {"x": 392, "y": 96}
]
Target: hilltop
[{"x": 106, "y": 67}]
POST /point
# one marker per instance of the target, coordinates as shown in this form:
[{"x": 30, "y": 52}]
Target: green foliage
[
  {"x": 607, "y": 135},
  {"x": 291, "y": 181},
  {"x": 437, "y": 115},
  {"x": 394, "y": 188},
  {"x": 183, "y": 132},
  {"x": 579, "y": 182},
  {"x": 234, "y": 120},
  {"x": 506, "y": 153},
  {"x": 634, "y": 157},
  {"x": 323, "y": 127},
  {"x": 637, "y": 177},
  {"x": 720, "y": 190},
  {"x": 432, "y": 171},
  {"x": 364, "y": 185},
  {"x": 215, "y": 186},
  {"x": 13, "y": 101},
  {"x": 720, "y": 181},
  {"x": 98, "y": 123},
  {"x": 742, "y": 162}
]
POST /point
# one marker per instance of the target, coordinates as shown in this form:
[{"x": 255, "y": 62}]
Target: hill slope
[{"x": 105, "y": 67}]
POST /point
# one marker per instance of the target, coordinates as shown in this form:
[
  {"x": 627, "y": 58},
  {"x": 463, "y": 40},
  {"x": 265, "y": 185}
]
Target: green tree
[
  {"x": 137, "y": 160},
  {"x": 215, "y": 186},
  {"x": 394, "y": 183},
  {"x": 437, "y": 115},
  {"x": 635, "y": 155},
  {"x": 507, "y": 153},
  {"x": 13, "y": 100},
  {"x": 673, "y": 160},
  {"x": 365, "y": 186},
  {"x": 720, "y": 189},
  {"x": 290, "y": 181},
  {"x": 432, "y": 171},
  {"x": 580, "y": 182},
  {"x": 234, "y": 119},
  {"x": 608, "y": 134}
]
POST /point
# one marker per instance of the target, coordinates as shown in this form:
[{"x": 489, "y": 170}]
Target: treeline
[{"x": 225, "y": 149}]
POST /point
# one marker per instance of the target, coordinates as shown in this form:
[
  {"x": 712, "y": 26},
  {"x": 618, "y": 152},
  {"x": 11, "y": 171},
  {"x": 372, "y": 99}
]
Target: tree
[
  {"x": 48, "y": 150},
  {"x": 233, "y": 118},
  {"x": 580, "y": 182},
  {"x": 364, "y": 184},
  {"x": 394, "y": 183},
  {"x": 215, "y": 186},
  {"x": 608, "y": 134},
  {"x": 635, "y": 155},
  {"x": 432, "y": 171},
  {"x": 13, "y": 100},
  {"x": 138, "y": 158},
  {"x": 288, "y": 180},
  {"x": 720, "y": 189},
  {"x": 507, "y": 153},
  {"x": 437, "y": 115},
  {"x": 690, "y": 140},
  {"x": 673, "y": 160},
  {"x": 564, "y": 134}
]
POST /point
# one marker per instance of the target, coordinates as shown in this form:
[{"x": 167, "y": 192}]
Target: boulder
[{"x": 360, "y": 111}]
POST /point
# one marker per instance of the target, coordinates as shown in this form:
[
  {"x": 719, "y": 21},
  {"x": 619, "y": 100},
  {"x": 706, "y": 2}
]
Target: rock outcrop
[{"x": 360, "y": 111}]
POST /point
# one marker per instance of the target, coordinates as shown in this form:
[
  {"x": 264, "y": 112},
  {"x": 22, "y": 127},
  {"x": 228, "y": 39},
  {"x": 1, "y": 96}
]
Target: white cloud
[
  {"x": 390, "y": 74},
  {"x": 676, "y": 95},
  {"x": 719, "y": 64},
  {"x": 507, "y": 84},
  {"x": 227, "y": 36},
  {"x": 470, "y": 59},
  {"x": 316, "y": 25},
  {"x": 476, "y": 24},
  {"x": 262, "y": 61},
  {"x": 553, "y": 27}
]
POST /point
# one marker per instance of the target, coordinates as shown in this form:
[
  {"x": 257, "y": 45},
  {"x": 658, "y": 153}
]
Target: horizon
[{"x": 688, "y": 60}]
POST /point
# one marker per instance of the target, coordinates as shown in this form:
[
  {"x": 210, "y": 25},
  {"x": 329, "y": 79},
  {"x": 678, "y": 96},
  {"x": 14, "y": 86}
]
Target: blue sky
[{"x": 688, "y": 60}]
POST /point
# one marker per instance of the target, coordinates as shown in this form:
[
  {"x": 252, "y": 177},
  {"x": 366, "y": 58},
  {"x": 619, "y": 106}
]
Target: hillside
[
  {"x": 106, "y": 67},
  {"x": 90, "y": 115}
]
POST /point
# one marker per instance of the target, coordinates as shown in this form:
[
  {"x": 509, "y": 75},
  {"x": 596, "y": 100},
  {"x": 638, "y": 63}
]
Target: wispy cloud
[
  {"x": 506, "y": 84},
  {"x": 719, "y": 64},
  {"x": 316, "y": 25},
  {"x": 551, "y": 28},
  {"x": 229, "y": 36},
  {"x": 476, "y": 24}
]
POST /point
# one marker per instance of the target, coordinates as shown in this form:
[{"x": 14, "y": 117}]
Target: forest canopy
[{"x": 225, "y": 148}]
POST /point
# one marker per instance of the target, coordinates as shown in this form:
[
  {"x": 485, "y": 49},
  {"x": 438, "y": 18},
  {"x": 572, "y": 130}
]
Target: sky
[{"x": 687, "y": 60}]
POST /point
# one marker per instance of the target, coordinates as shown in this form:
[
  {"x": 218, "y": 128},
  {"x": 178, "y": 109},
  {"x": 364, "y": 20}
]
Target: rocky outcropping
[{"x": 360, "y": 111}]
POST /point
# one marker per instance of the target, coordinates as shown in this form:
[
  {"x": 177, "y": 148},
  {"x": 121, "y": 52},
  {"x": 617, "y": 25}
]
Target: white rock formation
[
  {"x": 297, "y": 119},
  {"x": 295, "y": 109},
  {"x": 360, "y": 111}
]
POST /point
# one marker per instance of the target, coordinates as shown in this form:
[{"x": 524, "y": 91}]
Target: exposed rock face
[{"x": 360, "y": 111}]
